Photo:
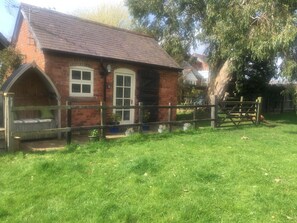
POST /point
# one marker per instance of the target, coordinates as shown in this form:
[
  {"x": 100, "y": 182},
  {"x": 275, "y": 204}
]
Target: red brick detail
[{"x": 27, "y": 45}]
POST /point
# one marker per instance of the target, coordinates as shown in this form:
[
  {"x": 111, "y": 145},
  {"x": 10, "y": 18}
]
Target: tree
[
  {"x": 262, "y": 29},
  {"x": 10, "y": 59},
  {"x": 114, "y": 15},
  {"x": 251, "y": 78}
]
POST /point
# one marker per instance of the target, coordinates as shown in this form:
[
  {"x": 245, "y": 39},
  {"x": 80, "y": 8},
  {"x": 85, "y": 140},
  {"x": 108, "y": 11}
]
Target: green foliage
[
  {"x": 188, "y": 93},
  {"x": 159, "y": 178},
  {"x": 251, "y": 77},
  {"x": 94, "y": 133},
  {"x": 291, "y": 91},
  {"x": 10, "y": 59},
  {"x": 261, "y": 29},
  {"x": 115, "y": 118},
  {"x": 169, "y": 22},
  {"x": 233, "y": 29},
  {"x": 146, "y": 115}
]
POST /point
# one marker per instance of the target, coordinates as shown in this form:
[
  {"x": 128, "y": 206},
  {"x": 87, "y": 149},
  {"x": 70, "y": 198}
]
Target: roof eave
[{"x": 17, "y": 27}]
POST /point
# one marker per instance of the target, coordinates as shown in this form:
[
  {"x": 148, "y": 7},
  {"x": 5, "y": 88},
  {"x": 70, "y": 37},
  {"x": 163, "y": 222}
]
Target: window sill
[{"x": 78, "y": 99}]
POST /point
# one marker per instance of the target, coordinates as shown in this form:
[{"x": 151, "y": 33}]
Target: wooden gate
[{"x": 238, "y": 112}]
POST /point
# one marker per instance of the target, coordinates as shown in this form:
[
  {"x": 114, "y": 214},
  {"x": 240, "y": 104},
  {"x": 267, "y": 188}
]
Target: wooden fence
[{"x": 221, "y": 113}]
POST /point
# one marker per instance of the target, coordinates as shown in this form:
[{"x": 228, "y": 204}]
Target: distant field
[{"x": 245, "y": 174}]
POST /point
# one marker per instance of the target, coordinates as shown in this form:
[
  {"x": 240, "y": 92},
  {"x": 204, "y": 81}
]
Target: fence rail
[{"x": 235, "y": 111}]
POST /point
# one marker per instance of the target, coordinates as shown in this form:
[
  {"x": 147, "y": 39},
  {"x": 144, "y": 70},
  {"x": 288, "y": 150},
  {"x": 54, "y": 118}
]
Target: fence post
[
  {"x": 69, "y": 116},
  {"x": 102, "y": 119},
  {"x": 59, "y": 118},
  {"x": 259, "y": 106},
  {"x": 214, "y": 111},
  {"x": 194, "y": 116},
  {"x": 8, "y": 120},
  {"x": 240, "y": 105},
  {"x": 169, "y": 117},
  {"x": 140, "y": 114}
]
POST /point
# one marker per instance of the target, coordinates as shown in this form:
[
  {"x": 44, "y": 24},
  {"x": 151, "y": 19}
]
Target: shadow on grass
[
  {"x": 4, "y": 213},
  {"x": 291, "y": 132},
  {"x": 284, "y": 118}
]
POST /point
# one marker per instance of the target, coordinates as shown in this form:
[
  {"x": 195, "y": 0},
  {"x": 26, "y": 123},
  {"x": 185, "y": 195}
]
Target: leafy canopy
[
  {"x": 262, "y": 29},
  {"x": 10, "y": 59},
  {"x": 114, "y": 15}
]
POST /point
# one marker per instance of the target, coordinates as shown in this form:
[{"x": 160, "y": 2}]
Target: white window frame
[{"x": 81, "y": 82}]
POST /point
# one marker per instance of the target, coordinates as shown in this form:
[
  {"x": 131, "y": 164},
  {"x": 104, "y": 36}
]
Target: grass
[{"x": 245, "y": 174}]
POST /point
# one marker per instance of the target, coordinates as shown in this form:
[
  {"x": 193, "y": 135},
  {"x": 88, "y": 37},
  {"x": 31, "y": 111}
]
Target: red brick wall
[
  {"x": 28, "y": 46},
  {"x": 57, "y": 67}
]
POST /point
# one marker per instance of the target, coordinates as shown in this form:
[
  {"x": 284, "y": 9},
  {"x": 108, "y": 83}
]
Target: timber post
[
  {"x": 102, "y": 119},
  {"x": 8, "y": 121},
  {"x": 240, "y": 105},
  {"x": 169, "y": 117},
  {"x": 59, "y": 115},
  {"x": 258, "y": 110},
  {"x": 214, "y": 111},
  {"x": 69, "y": 116},
  {"x": 194, "y": 117},
  {"x": 140, "y": 113}
]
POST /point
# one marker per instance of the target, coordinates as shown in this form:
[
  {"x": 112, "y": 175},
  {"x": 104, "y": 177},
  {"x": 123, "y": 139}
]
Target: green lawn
[{"x": 246, "y": 174}]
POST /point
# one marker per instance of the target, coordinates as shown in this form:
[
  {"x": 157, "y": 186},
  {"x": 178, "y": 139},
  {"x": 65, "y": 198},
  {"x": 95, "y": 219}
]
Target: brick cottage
[{"x": 73, "y": 59}]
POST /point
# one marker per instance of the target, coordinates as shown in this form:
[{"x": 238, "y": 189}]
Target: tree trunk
[{"x": 219, "y": 84}]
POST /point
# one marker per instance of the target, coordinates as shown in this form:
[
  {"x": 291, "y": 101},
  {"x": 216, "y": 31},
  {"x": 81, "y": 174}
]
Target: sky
[{"x": 7, "y": 20}]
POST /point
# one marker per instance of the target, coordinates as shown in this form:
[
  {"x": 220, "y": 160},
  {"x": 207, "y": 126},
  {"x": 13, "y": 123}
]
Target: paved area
[{"x": 56, "y": 144}]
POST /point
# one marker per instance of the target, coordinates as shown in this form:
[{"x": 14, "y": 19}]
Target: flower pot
[
  {"x": 145, "y": 127},
  {"x": 114, "y": 129}
]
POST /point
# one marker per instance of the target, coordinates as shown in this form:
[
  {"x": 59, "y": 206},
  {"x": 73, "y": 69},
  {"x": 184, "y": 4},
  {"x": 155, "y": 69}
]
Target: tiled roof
[{"x": 65, "y": 33}]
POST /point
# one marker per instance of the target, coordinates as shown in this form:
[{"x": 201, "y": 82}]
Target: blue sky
[{"x": 7, "y": 20}]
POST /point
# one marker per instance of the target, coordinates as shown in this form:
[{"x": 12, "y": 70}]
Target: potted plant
[
  {"x": 146, "y": 117},
  {"x": 115, "y": 121},
  {"x": 93, "y": 135}
]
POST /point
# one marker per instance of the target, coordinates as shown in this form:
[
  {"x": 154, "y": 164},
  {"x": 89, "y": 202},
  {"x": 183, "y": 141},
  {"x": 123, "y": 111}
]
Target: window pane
[
  {"x": 76, "y": 75},
  {"x": 86, "y": 75},
  {"x": 119, "y": 114},
  {"x": 119, "y": 80},
  {"x": 86, "y": 88},
  {"x": 119, "y": 92},
  {"x": 126, "y": 102},
  {"x": 126, "y": 115},
  {"x": 127, "y": 92},
  {"x": 76, "y": 88},
  {"x": 128, "y": 81},
  {"x": 119, "y": 102}
]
